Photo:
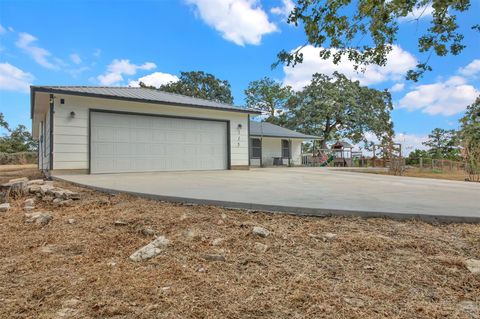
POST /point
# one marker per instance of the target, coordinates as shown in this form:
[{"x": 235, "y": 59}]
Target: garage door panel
[{"x": 135, "y": 143}]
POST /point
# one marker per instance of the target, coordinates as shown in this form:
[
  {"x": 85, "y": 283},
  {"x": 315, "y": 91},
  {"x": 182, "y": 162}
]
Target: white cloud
[
  {"x": 418, "y": 13},
  {"x": 285, "y": 9},
  {"x": 14, "y": 79},
  {"x": 471, "y": 69},
  {"x": 399, "y": 62},
  {"x": 75, "y": 58},
  {"x": 397, "y": 87},
  {"x": 118, "y": 68},
  {"x": 446, "y": 98},
  {"x": 155, "y": 79},
  {"x": 240, "y": 21},
  {"x": 40, "y": 55}
]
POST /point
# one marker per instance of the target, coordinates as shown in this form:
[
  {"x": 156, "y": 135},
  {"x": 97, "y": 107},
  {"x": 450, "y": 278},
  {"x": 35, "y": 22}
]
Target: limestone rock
[
  {"x": 261, "y": 248},
  {"x": 151, "y": 250},
  {"x": 328, "y": 236},
  {"x": 120, "y": 223},
  {"x": 36, "y": 182},
  {"x": 260, "y": 231},
  {"x": 28, "y": 208},
  {"x": 473, "y": 265},
  {"x": 4, "y": 207},
  {"x": 29, "y": 202},
  {"x": 32, "y": 189},
  {"x": 148, "y": 232},
  {"x": 38, "y": 218},
  {"x": 217, "y": 241},
  {"x": 68, "y": 194},
  {"x": 71, "y": 221},
  {"x": 18, "y": 186}
]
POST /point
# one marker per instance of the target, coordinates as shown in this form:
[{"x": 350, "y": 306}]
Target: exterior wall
[
  {"x": 71, "y": 134},
  {"x": 272, "y": 147}
]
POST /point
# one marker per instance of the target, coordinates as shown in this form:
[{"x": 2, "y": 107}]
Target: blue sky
[{"x": 120, "y": 42}]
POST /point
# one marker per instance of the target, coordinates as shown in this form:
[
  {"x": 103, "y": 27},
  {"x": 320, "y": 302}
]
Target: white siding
[
  {"x": 71, "y": 134},
  {"x": 272, "y": 147}
]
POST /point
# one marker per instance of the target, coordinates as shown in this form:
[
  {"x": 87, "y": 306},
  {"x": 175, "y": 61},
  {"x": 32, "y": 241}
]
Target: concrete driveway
[{"x": 306, "y": 191}]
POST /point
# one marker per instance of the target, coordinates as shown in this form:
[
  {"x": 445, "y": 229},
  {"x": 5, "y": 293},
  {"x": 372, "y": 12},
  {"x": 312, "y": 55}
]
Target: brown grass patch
[{"x": 374, "y": 268}]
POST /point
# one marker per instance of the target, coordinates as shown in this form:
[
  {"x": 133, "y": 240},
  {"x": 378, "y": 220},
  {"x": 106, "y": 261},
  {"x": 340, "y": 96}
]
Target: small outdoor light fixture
[
  {"x": 72, "y": 114},
  {"x": 239, "y": 126}
]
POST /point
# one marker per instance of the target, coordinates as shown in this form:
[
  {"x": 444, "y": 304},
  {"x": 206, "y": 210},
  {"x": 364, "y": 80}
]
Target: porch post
[
  {"x": 261, "y": 151},
  {"x": 289, "y": 151}
]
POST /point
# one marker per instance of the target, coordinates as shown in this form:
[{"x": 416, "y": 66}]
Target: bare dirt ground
[{"x": 372, "y": 268}]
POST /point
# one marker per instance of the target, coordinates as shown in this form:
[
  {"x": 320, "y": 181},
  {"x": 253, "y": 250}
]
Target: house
[{"x": 123, "y": 129}]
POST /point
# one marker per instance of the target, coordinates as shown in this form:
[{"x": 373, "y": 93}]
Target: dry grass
[
  {"x": 374, "y": 268},
  {"x": 454, "y": 175}
]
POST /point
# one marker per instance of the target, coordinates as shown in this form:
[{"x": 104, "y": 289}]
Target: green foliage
[
  {"x": 201, "y": 85},
  {"x": 3, "y": 123},
  {"x": 414, "y": 157},
  {"x": 19, "y": 140},
  {"x": 443, "y": 144},
  {"x": 337, "y": 107},
  {"x": 269, "y": 96},
  {"x": 470, "y": 136},
  {"x": 365, "y": 30}
]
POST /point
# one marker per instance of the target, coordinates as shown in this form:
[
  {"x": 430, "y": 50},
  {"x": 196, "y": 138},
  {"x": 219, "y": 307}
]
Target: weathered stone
[
  {"x": 71, "y": 221},
  {"x": 18, "y": 187},
  {"x": 45, "y": 189},
  {"x": 355, "y": 302},
  {"x": 260, "y": 231},
  {"x": 48, "y": 198},
  {"x": 212, "y": 257},
  {"x": 56, "y": 201},
  {"x": 261, "y": 248},
  {"x": 18, "y": 180},
  {"x": 68, "y": 194},
  {"x": 4, "y": 207},
  {"x": 36, "y": 182},
  {"x": 328, "y": 236},
  {"x": 473, "y": 265},
  {"x": 32, "y": 189},
  {"x": 151, "y": 250},
  {"x": 38, "y": 218},
  {"x": 28, "y": 208},
  {"x": 148, "y": 232},
  {"x": 120, "y": 223},
  {"x": 57, "y": 192},
  {"x": 29, "y": 202},
  {"x": 217, "y": 241}
]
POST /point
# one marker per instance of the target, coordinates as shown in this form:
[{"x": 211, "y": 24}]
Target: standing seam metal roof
[
  {"x": 139, "y": 95},
  {"x": 271, "y": 130}
]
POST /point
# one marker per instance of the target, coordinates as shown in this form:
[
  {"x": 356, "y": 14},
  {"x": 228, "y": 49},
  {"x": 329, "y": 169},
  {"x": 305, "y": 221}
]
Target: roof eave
[
  {"x": 34, "y": 89},
  {"x": 306, "y": 137}
]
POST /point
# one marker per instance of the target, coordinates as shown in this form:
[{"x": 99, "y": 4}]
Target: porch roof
[{"x": 265, "y": 129}]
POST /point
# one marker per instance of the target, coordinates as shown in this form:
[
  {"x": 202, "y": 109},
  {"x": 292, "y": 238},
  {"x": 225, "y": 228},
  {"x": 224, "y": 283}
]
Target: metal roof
[
  {"x": 138, "y": 94},
  {"x": 271, "y": 130}
]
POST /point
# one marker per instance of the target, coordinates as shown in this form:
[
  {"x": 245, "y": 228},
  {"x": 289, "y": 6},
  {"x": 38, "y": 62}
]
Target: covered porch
[{"x": 273, "y": 145}]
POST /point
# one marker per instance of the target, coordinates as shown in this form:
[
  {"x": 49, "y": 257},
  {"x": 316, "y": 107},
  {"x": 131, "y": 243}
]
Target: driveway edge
[{"x": 298, "y": 211}]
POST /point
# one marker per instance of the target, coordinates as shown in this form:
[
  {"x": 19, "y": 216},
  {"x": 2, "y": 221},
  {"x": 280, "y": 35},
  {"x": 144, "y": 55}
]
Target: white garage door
[{"x": 139, "y": 143}]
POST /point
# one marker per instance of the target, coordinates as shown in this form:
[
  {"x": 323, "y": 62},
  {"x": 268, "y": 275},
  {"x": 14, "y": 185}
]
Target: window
[
  {"x": 285, "y": 149},
  {"x": 256, "y": 146}
]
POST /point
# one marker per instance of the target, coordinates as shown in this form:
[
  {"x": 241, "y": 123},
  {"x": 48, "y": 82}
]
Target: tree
[
  {"x": 338, "y": 107},
  {"x": 201, "y": 85},
  {"x": 470, "y": 136},
  {"x": 414, "y": 156},
  {"x": 365, "y": 30},
  {"x": 269, "y": 96},
  {"x": 3, "y": 123},
  {"x": 443, "y": 144},
  {"x": 19, "y": 140}
]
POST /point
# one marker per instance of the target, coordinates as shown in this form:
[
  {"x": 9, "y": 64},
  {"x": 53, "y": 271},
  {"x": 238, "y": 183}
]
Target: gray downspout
[{"x": 51, "y": 131}]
